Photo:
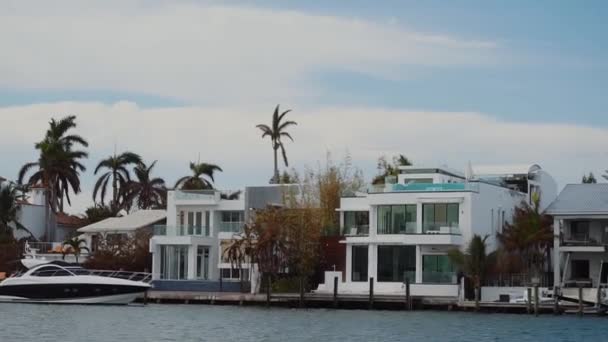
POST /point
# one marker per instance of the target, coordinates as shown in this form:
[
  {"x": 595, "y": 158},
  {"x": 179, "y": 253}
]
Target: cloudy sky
[{"x": 443, "y": 83}]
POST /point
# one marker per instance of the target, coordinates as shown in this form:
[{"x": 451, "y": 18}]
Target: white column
[
  {"x": 349, "y": 263},
  {"x": 556, "y": 254},
  {"x": 372, "y": 262},
  {"x": 418, "y": 264},
  {"x": 155, "y": 261},
  {"x": 419, "y": 218},
  {"x": 373, "y": 222},
  {"x": 192, "y": 262}
]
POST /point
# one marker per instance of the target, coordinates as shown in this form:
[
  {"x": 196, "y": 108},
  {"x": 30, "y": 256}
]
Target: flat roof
[{"x": 133, "y": 221}]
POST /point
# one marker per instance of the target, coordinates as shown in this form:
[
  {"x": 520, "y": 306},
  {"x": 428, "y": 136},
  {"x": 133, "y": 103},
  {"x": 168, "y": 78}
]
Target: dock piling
[
  {"x": 529, "y": 300},
  {"x": 408, "y": 299},
  {"x": 556, "y": 300},
  {"x": 335, "y": 292},
  {"x": 580, "y": 300},
  {"x": 536, "y": 300},
  {"x": 371, "y": 293}
]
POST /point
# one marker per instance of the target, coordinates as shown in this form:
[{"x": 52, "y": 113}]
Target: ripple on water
[{"x": 68, "y": 323}]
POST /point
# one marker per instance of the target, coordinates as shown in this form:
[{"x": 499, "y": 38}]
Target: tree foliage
[
  {"x": 276, "y": 131},
  {"x": 589, "y": 179},
  {"x": 128, "y": 252},
  {"x": 201, "y": 177},
  {"x": 145, "y": 191},
  {"x": 528, "y": 240},
  {"x": 387, "y": 168},
  {"x": 117, "y": 174}
]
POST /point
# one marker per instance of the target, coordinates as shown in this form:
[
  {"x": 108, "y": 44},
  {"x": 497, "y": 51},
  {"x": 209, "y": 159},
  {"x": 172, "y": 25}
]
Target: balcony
[
  {"x": 440, "y": 229},
  {"x": 435, "y": 277},
  {"x": 162, "y": 230},
  {"x": 426, "y": 187},
  {"x": 196, "y": 196},
  {"x": 231, "y": 227},
  {"x": 360, "y": 230}
]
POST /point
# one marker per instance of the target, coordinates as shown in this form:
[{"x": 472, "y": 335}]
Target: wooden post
[
  {"x": 268, "y": 288},
  {"x": 301, "y": 292},
  {"x": 580, "y": 300},
  {"x": 371, "y": 293},
  {"x": 408, "y": 299},
  {"x": 477, "y": 295},
  {"x": 335, "y": 292},
  {"x": 556, "y": 300},
  {"x": 598, "y": 297},
  {"x": 221, "y": 284},
  {"x": 529, "y": 294},
  {"x": 536, "y": 300},
  {"x": 146, "y": 297}
]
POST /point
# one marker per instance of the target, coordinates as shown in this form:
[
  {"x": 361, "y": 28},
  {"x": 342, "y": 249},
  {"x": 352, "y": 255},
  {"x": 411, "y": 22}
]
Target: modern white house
[
  {"x": 405, "y": 228},
  {"x": 200, "y": 226},
  {"x": 580, "y": 215}
]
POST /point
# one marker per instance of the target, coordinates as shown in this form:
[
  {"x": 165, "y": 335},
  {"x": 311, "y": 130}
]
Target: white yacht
[{"x": 64, "y": 283}]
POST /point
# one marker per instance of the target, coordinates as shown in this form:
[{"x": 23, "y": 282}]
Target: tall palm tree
[
  {"x": 10, "y": 195},
  {"x": 58, "y": 166},
  {"x": 117, "y": 172},
  {"x": 198, "y": 180},
  {"x": 75, "y": 246},
  {"x": 276, "y": 131},
  {"x": 145, "y": 191}
]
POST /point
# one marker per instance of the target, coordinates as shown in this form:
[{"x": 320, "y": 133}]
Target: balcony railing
[
  {"x": 195, "y": 195},
  {"x": 181, "y": 231},
  {"x": 425, "y": 187},
  {"x": 231, "y": 227},
  {"x": 439, "y": 277},
  {"x": 407, "y": 228},
  {"x": 440, "y": 229},
  {"x": 584, "y": 239},
  {"x": 360, "y": 230}
]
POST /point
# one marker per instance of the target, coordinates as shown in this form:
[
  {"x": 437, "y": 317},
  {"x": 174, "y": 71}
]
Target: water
[{"x": 65, "y": 323}]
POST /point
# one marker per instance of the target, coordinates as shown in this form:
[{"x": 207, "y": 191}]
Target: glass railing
[
  {"x": 439, "y": 277},
  {"x": 435, "y": 228},
  {"x": 195, "y": 194},
  {"x": 231, "y": 227},
  {"x": 424, "y": 187},
  {"x": 181, "y": 231},
  {"x": 407, "y": 228},
  {"x": 356, "y": 230}
]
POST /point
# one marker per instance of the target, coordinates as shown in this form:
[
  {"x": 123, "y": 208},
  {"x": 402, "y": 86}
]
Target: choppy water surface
[{"x": 65, "y": 323}]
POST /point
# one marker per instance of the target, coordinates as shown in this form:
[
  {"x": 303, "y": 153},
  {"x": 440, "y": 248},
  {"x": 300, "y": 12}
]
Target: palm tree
[
  {"x": 58, "y": 166},
  {"x": 276, "y": 132},
  {"x": 530, "y": 237},
  {"x": 146, "y": 192},
  {"x": 117, "y": 173},
  {"x": 235, "y": 254},
  {"x": 75, "y": 247},
  {"x": 198, "y": 181},
  {"x": 474, "y": 262},
  {"x": 10, "y": 195}
]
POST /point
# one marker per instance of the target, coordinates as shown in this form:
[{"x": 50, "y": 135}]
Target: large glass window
[
  {"x": 396, "y": 263},
  {"x": 440, "y": 217},
  {"x": 174, "y": 262},
  {"x": 437, "y": 269},
  {"x": 359, "y": 263},
  {"x": 232, "y": 221},
  {"x": 397, "y": 219},
  {"x": 202, "y": 262},
  {"x": 356, "y": 223}
]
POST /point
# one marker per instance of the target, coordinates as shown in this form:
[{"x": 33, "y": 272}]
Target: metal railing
[
  {"x": 583, "y": 239},
  {"x": 360, "y": 230},
  {"x": 439, "y": 277},
  {"x": 76, "y": 271},
  {"x": 195, "y": 194}
]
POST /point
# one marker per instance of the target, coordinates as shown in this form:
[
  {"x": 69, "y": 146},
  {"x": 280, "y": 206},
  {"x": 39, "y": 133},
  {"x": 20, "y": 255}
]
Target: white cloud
[
  {"x": 204, "y": 53},
  {"x": 227, "y": 136}
]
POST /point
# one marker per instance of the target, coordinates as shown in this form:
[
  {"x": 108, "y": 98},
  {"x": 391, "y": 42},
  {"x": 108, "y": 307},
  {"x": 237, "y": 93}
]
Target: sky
[{"x": 445, "y": 83}]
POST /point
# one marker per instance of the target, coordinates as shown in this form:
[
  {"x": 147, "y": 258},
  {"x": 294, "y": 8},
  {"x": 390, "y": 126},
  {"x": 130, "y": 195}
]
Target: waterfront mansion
[{"x": 405, "y": 227}]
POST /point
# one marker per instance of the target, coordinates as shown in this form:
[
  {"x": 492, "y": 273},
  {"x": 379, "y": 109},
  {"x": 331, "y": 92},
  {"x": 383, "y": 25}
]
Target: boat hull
[{"x": 72, "y": 293}]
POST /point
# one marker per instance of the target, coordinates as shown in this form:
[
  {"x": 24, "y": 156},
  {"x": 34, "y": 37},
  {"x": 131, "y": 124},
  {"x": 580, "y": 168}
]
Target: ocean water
[{"x": 67, "y": 323}]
